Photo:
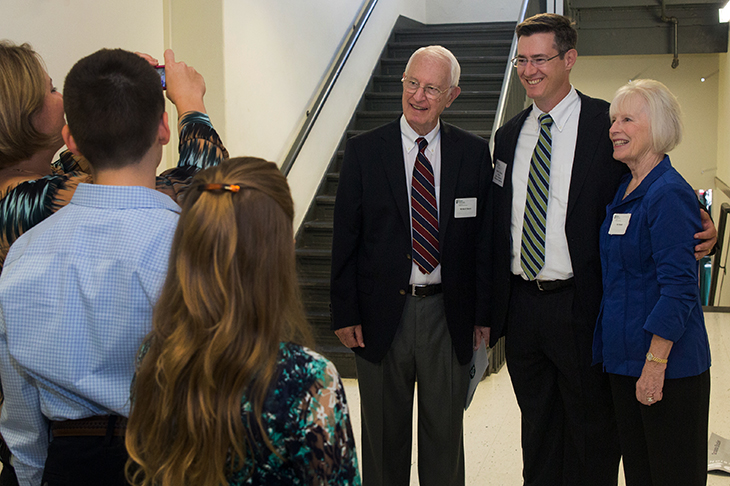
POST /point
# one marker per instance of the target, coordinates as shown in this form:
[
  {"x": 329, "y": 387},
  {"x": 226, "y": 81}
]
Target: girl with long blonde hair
[{"x": 226, "y": 392}]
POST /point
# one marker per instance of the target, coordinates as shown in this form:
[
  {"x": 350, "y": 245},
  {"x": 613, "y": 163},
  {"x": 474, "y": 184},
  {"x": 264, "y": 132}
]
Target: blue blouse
[{"x": 650, "y": 278}]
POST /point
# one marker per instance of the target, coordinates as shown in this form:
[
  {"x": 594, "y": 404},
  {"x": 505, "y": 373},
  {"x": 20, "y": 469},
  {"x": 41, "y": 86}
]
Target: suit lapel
[
  {"x": 506, "y": 154},
  {"x": 391, "y": 158},
  {"x": 451, "y": 157},
  {"x": 590, "y": 130}
]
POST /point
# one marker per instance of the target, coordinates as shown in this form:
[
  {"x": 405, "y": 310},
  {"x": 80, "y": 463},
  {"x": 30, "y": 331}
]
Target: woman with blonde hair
[
  {"x": 32, "y": 185},
  {"x": 226, "y": 392},
  {"x": 650, "y": 335}
]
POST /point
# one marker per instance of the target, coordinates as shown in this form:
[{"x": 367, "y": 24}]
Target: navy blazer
[
  {"x": 593, "y": 183},
  {"x": 371, "y": 245}
]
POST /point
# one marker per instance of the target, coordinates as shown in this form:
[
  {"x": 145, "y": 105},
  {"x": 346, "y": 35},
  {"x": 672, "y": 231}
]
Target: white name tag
[
  {"x": 465, "y": 208},
  {"x": 500, "y": 169},
  {"x": 619, "y": 223}
]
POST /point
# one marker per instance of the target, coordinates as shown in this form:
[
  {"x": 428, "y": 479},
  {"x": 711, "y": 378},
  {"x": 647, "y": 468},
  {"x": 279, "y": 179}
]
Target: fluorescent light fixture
[{"x": 725, "y": 13}]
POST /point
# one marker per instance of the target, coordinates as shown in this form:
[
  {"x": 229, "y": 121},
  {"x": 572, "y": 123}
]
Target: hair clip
[{"x": 220, "y": 187}]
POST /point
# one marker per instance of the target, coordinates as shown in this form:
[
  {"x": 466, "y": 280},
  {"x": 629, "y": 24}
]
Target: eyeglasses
[
  {"x": 431, "y": 92},
  {"x": 521, "y": 62}
]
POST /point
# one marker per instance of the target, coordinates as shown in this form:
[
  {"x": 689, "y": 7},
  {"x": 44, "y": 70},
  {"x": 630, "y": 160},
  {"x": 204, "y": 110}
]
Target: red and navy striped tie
[{"x": 424, "y": 212}]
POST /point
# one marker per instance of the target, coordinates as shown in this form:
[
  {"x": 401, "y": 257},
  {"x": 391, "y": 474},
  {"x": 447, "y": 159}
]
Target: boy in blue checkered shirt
[{"x": 77, "y": 290}]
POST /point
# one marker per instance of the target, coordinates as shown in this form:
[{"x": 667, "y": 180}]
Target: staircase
[{"x": 482, "y": 51}]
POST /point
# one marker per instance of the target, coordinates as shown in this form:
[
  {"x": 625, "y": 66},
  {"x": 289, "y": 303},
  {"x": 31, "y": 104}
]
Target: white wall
[
  {"x": 275, "y": 62},
  {"x": 64, "y": 32},
  {"x": 456, "y": 11}
]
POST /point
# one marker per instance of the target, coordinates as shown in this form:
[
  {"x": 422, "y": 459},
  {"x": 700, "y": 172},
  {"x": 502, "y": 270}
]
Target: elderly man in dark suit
[
  {"x": 554, "y": 174},
  {"x": 411, "y": 199}
]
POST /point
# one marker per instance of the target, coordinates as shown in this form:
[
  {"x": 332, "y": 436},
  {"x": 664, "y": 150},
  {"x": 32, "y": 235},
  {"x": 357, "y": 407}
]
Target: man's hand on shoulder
[
  {"x": 351, "y": 336},
  {"x": 708, "y": 235}
]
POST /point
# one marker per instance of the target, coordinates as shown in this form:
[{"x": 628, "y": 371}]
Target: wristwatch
[{"x": 651, "y": 357}]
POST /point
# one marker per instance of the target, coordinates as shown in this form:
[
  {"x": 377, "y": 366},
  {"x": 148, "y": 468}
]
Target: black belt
[
  {"x": 424, "y": 290},
  {"x": 545, "y": 285},
  {"x": 98, "y": 426}
]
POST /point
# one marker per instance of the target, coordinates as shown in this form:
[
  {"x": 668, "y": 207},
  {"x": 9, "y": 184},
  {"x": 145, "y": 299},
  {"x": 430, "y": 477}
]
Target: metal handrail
[
  {"x": 504, "y": 94},
  {"x": 335, "y": 70}
]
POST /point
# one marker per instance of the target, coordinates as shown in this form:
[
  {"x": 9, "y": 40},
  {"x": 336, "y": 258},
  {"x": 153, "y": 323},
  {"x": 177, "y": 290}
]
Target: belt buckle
[
  {"x": 539, "y": 286},
  {"x": 413, "y": 289}
]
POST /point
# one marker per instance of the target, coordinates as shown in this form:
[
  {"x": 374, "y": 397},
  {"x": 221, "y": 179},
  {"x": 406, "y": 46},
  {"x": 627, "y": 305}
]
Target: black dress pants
[
  {"x": 664, "y": 444},
  {"x": 569, "y": 434},
  {"x": 85, "y": 461}
]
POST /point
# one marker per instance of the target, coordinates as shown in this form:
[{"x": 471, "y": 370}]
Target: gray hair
[
  {"x": 662, "y": 109},
  {"x": 442, "y": 54}
]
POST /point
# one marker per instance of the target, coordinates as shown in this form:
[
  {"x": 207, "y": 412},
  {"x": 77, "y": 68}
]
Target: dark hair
[
  {"x": 113, "y": 100},
  {"x": 562, "y": 27},
  {"x": 230, "y": 298},
  {"x": 22, "y": 93}
]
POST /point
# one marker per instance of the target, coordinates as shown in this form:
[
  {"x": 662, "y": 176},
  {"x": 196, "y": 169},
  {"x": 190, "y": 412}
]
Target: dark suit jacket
[
  {"x": 371, "y": 246},
  {"x": 594, "y": 180}
]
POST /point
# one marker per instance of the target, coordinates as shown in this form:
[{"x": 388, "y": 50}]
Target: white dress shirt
[
  {"x": 564, "y": 133},
  {"x": 433, "y": 153}
]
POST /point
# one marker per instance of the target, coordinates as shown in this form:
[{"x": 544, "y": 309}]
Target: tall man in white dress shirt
[{"x": 554, "y": 175}]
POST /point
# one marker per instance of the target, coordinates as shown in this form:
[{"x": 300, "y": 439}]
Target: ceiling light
[{"x": 725, "y": 13}]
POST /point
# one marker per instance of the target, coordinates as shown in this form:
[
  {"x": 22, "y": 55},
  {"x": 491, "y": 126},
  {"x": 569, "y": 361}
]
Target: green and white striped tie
[{"x": 532, "y": 255}]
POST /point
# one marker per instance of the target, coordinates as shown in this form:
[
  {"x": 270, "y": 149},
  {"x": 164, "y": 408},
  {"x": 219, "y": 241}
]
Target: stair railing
[
  {"x": 335, "y": 69},
  {"x": 512, "y": 94}
]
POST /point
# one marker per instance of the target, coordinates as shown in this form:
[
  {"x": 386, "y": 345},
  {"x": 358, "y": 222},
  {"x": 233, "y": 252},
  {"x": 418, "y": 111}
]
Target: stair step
[
  {"x": 460, "y": 48},
  {"x": 331, "y": 180},
  {"x": 316, "y": 298},
  {"x": 315, "y": 262},
  {"x": 317, "y": 234},
  {"x": 442, "y": 34},
  {"x": 467, "y": 82},
  {"x": 324, "y": 206},
  {"x": 469, "y": 65}
]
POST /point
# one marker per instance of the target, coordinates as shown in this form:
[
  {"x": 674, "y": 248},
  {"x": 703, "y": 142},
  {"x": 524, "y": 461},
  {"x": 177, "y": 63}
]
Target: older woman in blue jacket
[{"x": 650, "y": 335}]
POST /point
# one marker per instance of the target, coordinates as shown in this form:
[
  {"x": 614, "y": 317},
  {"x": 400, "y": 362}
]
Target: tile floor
[{"x": 492, "y": 423}]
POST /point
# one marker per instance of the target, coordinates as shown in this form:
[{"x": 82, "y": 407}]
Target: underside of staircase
[{"x": 482, "y": 50}]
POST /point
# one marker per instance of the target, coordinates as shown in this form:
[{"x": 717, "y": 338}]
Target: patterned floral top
[
  {"x": 308, "y": 423},
  {"x": 307, "y": 420},
  {"x": 30, "y": 202}
]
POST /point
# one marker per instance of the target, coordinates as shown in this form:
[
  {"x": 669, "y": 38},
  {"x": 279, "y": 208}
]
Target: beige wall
[
  {"x": 723, "y": 119},
  {"x": 64, "y": 32},
  {"x": 723, "y": 167},
  {"x": 696, "y": 157}
]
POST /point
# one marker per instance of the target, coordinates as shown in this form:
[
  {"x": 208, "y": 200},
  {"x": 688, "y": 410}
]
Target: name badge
[
  {"x": 500, "y": 169},
  {"x": 619, "y": 223},
  {"x": 465, "y": 208}
]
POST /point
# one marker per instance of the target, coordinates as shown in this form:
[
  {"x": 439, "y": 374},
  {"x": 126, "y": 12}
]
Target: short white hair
[
  {"x": 662, "y": 109},
  {"x": 442, "y": 54}
]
